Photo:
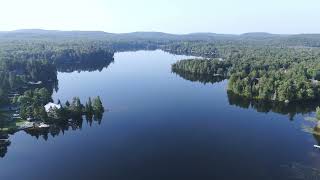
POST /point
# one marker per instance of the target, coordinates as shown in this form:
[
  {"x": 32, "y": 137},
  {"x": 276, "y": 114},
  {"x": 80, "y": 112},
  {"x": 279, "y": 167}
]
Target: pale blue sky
[{"x": 172, "y": 16}]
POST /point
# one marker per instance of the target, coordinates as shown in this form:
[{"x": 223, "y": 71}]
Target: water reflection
[
  {"x": 290, "y": 109},
  {"x": 57, "y": 128},
  {"x": 316, "y": 134},
  {"x": 199, "y": 77},
  {"x": 85, "y": 65},
  {"x": 61, "y": 127},
  {"x": 4, "y": 144}
]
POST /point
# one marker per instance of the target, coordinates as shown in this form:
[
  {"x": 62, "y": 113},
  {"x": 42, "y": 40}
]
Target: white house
[{"x": 50, "y": 106}]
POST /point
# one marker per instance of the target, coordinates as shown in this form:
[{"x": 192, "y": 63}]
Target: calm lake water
[{"x": 161, "y": 126}]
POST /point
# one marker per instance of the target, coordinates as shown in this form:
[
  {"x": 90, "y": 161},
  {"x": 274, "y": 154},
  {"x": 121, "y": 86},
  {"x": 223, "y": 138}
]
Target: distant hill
[
  {"x": 141, "y": 34},
  {"x": 100, "y": 35},
  {"x": 258, "y": 34},
  {"x": 312, "y": 40},
  {"x": 52, "y": 34}
]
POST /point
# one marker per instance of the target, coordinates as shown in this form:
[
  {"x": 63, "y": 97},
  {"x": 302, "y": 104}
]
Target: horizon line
[{"x": 197, "y": 32}]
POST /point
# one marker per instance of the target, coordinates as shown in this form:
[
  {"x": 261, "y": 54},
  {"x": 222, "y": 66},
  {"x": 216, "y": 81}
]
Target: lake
[{"x": 162, "y": 126}]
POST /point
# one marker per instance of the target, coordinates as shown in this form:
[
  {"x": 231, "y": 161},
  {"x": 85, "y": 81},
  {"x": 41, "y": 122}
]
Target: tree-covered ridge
[
  {"x": 203, "y": 49},
  {"x": 54, "y": 52},
  {"x": 255, "y": 38}
]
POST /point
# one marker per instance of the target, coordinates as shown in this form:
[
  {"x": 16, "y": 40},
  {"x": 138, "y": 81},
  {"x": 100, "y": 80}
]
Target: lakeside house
[{"x": 51, "y": 106}]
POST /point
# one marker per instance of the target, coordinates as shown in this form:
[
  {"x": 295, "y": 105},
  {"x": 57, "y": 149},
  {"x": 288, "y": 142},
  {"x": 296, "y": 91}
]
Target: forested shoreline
[
  {"x": 28, "y": 78},
  {"x": 267, "y": 73},
  {"x": 25, "y": 63},
  {"x": 258, "y": 65}
]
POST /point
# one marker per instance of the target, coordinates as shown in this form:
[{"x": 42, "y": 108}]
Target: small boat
[
  {"x": 316, "y": 146},
  {"x": 43, "y": 125}
]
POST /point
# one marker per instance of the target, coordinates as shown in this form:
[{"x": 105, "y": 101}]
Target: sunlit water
[{"x": 160, "y": 126}]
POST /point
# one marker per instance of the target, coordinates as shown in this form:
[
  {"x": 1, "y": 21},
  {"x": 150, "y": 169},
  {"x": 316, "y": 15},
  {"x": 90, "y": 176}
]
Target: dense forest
[
  {"x": 18, "y": 76},
  {"x": 210, "y": 67},
  {"x": 54, "y": 52},
  {"x": 269, "y": 73}
]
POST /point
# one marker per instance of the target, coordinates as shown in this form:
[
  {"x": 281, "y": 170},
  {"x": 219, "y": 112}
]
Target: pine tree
[
  {"x": 97, "y": 105},
  {"x": 43, "y": 114},
  {"x": 90, "y": 108},
  {"x": 67, "y": 103}
]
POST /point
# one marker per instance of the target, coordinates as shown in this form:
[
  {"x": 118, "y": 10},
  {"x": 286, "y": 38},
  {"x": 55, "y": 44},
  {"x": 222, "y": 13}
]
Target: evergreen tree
[
  {"x": 97, "y": 105},
  {"x": 67, "y": 104}
]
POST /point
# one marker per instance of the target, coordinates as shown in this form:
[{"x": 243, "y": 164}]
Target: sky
[{"x": 171, "y": 16}]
